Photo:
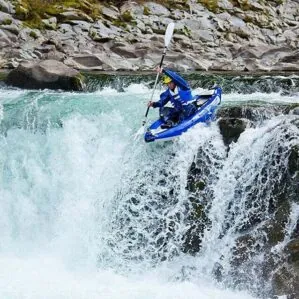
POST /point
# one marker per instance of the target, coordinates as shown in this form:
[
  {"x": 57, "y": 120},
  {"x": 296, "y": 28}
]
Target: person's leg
[
  {"x": 165, "y": 113},
  {"x": 175, "y": 116},
  {"x": 171, "y": 119}
]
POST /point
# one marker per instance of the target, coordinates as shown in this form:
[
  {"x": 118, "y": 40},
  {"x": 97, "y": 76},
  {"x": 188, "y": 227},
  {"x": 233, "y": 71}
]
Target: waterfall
[{"x": 89, "y": 212}]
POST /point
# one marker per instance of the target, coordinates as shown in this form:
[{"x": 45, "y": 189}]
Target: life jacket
[{"x": 179, "y": 97}]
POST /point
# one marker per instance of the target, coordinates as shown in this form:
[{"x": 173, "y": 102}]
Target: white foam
[
  {"x": 273, "y": 98},
  {"x": 46, "y": 277}
]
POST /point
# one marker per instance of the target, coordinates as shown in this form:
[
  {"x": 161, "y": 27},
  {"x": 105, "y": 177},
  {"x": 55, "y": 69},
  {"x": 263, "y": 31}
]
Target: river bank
[{"x": 209, "y": 36}]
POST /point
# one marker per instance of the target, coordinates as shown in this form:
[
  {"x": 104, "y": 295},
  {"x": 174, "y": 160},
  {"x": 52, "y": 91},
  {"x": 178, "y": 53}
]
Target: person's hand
[
  {"x": 150, "y": 104},
  {"x": 159, "y": 69}
]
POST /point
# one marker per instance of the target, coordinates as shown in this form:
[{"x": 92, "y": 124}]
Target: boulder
[
  {"x": 11, "y": 28},
  {"x": 50, "y": 74},
  {"x": 74, "y": 14},
  {"x": 156, "y": 9},
  {"x": 4, "y": 39},
  {"x": 296, "y": 111},
  {"x": 137, "y": 10},
  {"x": 125, "y": 51},
  {"x": 50, "y": 23},
  {"x": 231, "y": 129},
  {"x": 286, "y": 277},
  {"x": 86, "y": 62},
  {"x": 293, "y": 251},
  {"x": 110, "y": 13},
  {"x": 99, "y": 32},
  {"x": 5, "y": 18},
  {"x": 6, "y": 7}
]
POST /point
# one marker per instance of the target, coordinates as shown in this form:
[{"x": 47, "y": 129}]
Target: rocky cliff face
[
  {"x": 264, "y": 258},
  {"x": 242, "y": 35}
]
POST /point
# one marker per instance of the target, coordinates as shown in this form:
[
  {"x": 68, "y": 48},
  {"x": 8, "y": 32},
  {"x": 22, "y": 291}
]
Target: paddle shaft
[{"x": 157, "y": 77}]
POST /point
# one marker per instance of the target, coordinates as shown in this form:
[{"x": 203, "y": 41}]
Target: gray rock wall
[{"x": 229, "y": 35}]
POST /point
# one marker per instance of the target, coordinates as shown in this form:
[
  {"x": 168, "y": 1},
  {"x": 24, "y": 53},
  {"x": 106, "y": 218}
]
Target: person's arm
[
  {"x": 177, "y": 79},
  {"x": 164, "y": 98}
]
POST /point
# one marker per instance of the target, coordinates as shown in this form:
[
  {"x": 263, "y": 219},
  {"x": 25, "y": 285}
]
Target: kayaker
[{"x": 179, "y": 94}]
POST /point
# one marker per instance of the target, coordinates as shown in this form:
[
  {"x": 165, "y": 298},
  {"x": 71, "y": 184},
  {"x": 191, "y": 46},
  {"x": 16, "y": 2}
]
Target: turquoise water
[{"x": 84, "y": 206}]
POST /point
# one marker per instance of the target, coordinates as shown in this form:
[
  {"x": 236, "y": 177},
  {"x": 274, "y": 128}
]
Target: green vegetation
[
  {"x": 126, "y": 16},
  {"x": 3, "y": 76},
  {"x": 211, "y": 5},
  {"x": 187, "y": 31},
  {"x": 33, "y": 11},
  {"x": 243, "y": 4},
  {"x": 181, "y": 4},
  {"x": 119, "y": 23},
  {"x": 33, "y": 34},
  {"x": 6, "y": 22},
  {"x": 146, "y": 11}
]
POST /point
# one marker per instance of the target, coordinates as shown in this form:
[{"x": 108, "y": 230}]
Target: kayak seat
[{"x": 199, "y": 100}]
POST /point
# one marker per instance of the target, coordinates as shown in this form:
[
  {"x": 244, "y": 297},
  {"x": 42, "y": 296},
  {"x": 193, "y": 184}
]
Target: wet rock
[
  {"x": 285, "y": 282},
  {"x": 231, "y": 129},
  {"x": 198, "y": 221},
  {"x": 292, "y": 249},
  {"x": 293, "y": 167},
  {"x": 274, "y": 229},
  {"x": 295, "y": 111},
  {"x": 199, "y": 179},
  {"x": 293, "y": 164},
  {"x": 244, "y": 248},
  {"x": 46, "y": 74}
]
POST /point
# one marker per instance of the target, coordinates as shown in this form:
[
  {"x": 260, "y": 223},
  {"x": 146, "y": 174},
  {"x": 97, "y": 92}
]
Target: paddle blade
[{"x": 168, "y": 34}]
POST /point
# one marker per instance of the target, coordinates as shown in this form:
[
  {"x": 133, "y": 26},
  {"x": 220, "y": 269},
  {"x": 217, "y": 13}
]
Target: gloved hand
[{"x": 159, "y": 70}]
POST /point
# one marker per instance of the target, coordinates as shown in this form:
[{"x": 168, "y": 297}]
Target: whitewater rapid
[{"x": 71, "y": 175}]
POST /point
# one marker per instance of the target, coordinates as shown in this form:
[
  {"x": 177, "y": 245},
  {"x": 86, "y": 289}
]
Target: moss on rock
[
  {"x": 6, "y": 22},
  {"x": 211, "y": 5},
  {"x": 127, "y": 16},
  {"x": 3, "y": 76},
  {"x": 33, "y": 34},
  {"x": 146, "y": 11},
  {"x": 78, "y": 82}
]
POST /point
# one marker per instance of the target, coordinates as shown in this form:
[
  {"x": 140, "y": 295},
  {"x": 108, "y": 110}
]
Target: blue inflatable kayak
[{"x": 206, "y": 104}]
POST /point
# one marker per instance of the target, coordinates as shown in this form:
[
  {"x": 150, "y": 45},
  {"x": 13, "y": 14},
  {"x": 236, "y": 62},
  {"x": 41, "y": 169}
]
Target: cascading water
[
  {"x": 244, "y": 200},
  {"x": 88, "y": 212}
]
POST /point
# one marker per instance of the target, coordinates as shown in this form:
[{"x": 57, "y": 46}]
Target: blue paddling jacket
[{"x": 179, "y": 97}]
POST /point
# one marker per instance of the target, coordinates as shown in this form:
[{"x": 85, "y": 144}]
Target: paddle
[{"x": 167, "y": 38}]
